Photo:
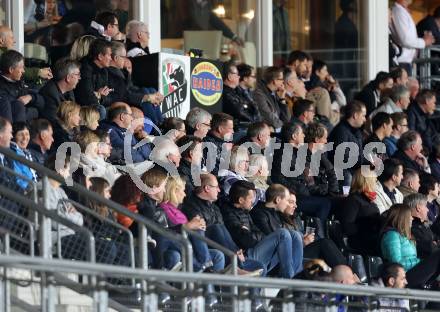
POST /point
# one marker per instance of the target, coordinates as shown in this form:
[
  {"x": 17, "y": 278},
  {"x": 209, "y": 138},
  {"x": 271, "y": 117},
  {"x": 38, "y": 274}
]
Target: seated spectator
[
  {"x": 16, "y": 98},
  {"x": 372, "y": 92},
  {"x": 126, "y": 193},
  {"x": 41, "y": 140},
  {"x": 320, "y": 180},
  {"x": 393, "y": 276},
  {"x": 270, "y": 98},
  {"x": 275, "y": 248},
  {"x": 248, "y": 82},
  {"x": 293, "y": 137},
  {"x": 321, "y": 99},
  {"x": 60, "y": 89},
  {"x": 426, "y": 242},
  {"x": 409, "y": 152},
  {"x": 190, "y": 164},
  {"x": 105, "y": 26},
  {"x": 120, "y": 115},
  {"x": 110, "y": 246},
  {"x": 359, "y": 215},
  {"x": 21, "y": 139},
  {"x": 202, "y": 203},
  {"x": 400, "y": 76},
  {"x": 297, "y": 62},
  {"x": 66, "y": 125},
  {"x": 119, "y": 79},
  {"x": 414, "y": 88},
  {"x": 138, "y": 38},
  {"x": 419, "y": 117},
  {"x": 58, "y": 200},
  {"x": 259, "y": 172},
  {"x": 91, "y": 162},
  {"x": 205, "y": 259},
  {"x": 382, "y": 126},
  {"x": 295, "y": 89},
  {"x": 303, "y": 113},
  {"x": 314, "y": 248},
  {"x": 400, "y": 126},
  {"x": 434, "y": 161},
  {"x": 258, "y": 133},
  {"x": 429, "y": 186},
  {"x": 238, "y": 170},
  {"x": 173, "y": 128},
  {"x": 220, "y": 138},
  {"x": 80, "y": 48},
  {"x": 93, "y": 88},
  {"x": 410, "y": 182},
  {"x": 398, "y": 101},
  {"x": 237, "y": 101},
  {"x": 387, "y": 192},
  {"x": 397, "y": 246},
  {"x": 7, "y": 42},
  {"x": 198, "y": 122},
  {"x": 89, "y": 117},
  {"x": 349, "y": 130}
]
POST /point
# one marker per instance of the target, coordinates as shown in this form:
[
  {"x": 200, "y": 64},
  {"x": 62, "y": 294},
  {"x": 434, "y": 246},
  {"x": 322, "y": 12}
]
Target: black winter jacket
[
  {"x": 244, "y": 231},
  {"x": 210, "y": 212},
  {"x": 123, "y": 91},
  {"x": 268, "y": 220},
  {"x": 93, "y": 78},
  {"x": 52, "y": 98},
  {"x": 239, "y": 106}
]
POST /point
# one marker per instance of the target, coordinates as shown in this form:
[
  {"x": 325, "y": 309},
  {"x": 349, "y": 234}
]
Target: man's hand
[
  {"x": 429, "y": 38},
  {"x": 127, "y": 65},
  {"x": 104, "y": 91},
  {"x": 25, "y": 99},
  {"x": 309, "y": 238},
  {"x": 45, "y": 73}
]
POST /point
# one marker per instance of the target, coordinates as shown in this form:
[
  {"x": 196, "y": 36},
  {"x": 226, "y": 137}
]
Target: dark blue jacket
[{"x": 117, "y": 135}]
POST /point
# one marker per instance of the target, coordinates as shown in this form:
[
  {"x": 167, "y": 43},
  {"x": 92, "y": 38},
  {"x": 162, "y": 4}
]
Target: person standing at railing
[{"x": 404, "y": 32}]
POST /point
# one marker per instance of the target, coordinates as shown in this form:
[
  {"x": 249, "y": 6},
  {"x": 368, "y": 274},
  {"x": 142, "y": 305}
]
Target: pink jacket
[{"x": 175, "y": 216}]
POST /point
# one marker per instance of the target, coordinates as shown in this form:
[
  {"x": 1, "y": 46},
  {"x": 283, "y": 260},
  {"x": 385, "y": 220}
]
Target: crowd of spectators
[{"x": 221, "y": 174}]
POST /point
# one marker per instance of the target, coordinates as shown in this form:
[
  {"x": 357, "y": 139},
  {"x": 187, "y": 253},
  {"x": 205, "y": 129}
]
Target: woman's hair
[
  {"x": 362, "y": 183},
  {"x": 173, "y": 183},
  {"x": 65, "y": 110},
  {"x": 399, "y": 218},
  {"x": 19, "y": 126},
  {"x": 98, "y": 185},
  {"x": 89, "y": 115},
  {"x": 85, "y": 138},
  {"x": 125, "y": 192},
  {"x": 81, "y": 46}
]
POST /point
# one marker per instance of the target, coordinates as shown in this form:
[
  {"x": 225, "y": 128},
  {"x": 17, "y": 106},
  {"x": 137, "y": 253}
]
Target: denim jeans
[
  {"x": 220, "y": 234},
  {"x": 167, "y": 254},
  {"x": 297, "y": 250},
  {"x": 274, "y": 249},
  {"x": 173, "y": 256}
]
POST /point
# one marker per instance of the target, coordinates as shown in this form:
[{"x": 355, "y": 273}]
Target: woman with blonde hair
[
  {"x": 204, "y": 258},
  {"x": 89, "y": 117},
  {"x": 80, "y": 47},
  {"x": 397, "y": 245},
  {"x": 359, "y": 214},
  {"x": 66, "y": 125}
]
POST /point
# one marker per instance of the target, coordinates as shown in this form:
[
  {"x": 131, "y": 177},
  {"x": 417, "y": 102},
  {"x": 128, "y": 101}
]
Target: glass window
[
  {"x": 331, "y": 31},
  {"x": 236, "y": 19},
  {"x": 56, "y": 24},
  {"x": 3, "y": 10}
]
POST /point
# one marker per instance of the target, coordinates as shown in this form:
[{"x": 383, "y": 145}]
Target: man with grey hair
[
  {"x": 409, "y": 152},
  {"x": 397, "y": 102},
  {"x": 410, "y": 183},
  {"x": 198, "y": 122},
  {"x": 420, "y": 228},
  {"x": 60, "y": 89},
  {"x": 138, "y": 38}
]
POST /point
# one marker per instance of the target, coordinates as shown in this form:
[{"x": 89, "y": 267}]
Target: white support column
[
  {"x": 265, "y": 34},
  {"x": 17, "y": 23},
  {"x": 377, "y": 44},
  {"x": 148, "y": 11}
]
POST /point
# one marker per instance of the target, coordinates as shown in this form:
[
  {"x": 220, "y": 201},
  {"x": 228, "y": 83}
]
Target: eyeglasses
[
  {"x": 115, "y": 24},
  {"x": 234, "y": 73},
  {"x": 206, "y": 124},
  {"x": 214, "y": 186}
]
